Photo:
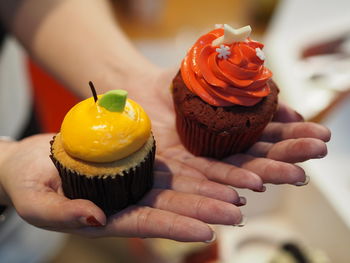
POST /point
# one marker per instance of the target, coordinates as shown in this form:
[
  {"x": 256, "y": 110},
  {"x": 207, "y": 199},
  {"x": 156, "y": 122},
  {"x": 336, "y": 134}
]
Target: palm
[
  {"x": 34, "y": 187},
  {"x": 285, "y": 141},
  {"x": 188, "y": 191}
]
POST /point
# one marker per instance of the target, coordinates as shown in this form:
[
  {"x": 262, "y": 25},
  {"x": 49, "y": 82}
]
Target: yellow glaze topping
[{"x": 92, "y": 133}]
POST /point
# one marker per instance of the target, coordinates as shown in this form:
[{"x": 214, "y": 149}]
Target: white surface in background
[
  {"x": 257, "y": 242},
  {"x": 15, "y": 99},
  {"x": 305, "y": 218},
  {"x": 21, "y": 242},
  {"x": 332, "y": 175},
  {"x": 297, "y": 24}
]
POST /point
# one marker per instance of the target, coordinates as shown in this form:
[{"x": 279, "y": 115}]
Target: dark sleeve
[{"x": 2, "y": 35}]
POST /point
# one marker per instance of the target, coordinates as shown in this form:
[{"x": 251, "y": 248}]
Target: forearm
[{"x": 78, "y": 41}]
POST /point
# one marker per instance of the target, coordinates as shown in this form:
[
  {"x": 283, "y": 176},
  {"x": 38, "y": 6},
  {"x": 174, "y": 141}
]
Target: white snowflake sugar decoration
[
  {"x": 224, "y": 51},
  {"x": 219, "y": 26},
  {"x": 260, "y": 54}
]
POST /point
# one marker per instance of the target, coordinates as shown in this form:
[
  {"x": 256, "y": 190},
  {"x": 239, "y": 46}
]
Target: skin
[
  {"x": 189, "y": 192},
  {"x": 187, "y": 189}
]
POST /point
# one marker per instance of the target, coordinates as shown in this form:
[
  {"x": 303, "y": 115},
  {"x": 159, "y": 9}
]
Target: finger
[
  {"x": 286, "y": 114},
  {"x": 291, "y": 151},
  {"x": 217, "y": 171},
  {"x": 269, "y": 170},
  {"x": 275, "y": 131},
  {"x": 46, "y": 209},
  {"x": 224, "y": 173},
  {"x": 298, "y": 150},
  {"x": 199, "y": 207},
  {"x": 147, "y": 222},
  {"x": 197, "y": 186}
]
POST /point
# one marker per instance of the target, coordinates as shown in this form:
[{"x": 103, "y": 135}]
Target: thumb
[{"x": 50, "y": 210}]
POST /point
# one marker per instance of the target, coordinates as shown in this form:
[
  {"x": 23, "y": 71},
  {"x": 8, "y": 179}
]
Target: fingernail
[
  {"x": 231, "y": 187},
  {"x": 243, "y": 221},
  {"x": 213, "y": 238},
  {"x": 261, "y": 190},
  {"x": 91, "y": 221},
  {"x": 307, "y": 180},
  {"x": 242, "y": 201},
  {"x": 321, "y": 156}
]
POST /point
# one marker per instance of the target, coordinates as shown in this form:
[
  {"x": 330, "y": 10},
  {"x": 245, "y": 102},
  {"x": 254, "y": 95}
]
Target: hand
[
  {"x": 178, "y": 207},
  {"x": 285, "y": 141}
]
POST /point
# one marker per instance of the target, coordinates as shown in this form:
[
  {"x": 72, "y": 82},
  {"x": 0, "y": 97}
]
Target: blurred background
[{"x": 307, "y": 45}]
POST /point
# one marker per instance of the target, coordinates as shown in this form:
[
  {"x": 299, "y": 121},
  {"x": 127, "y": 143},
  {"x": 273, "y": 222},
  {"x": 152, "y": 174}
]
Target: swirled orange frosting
[{"x": 238, "y": 79}]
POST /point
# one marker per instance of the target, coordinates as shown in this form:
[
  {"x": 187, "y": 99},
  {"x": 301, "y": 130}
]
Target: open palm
[
  {"x": 189, "y": 192},
  {"x": 285, "y": 141}
]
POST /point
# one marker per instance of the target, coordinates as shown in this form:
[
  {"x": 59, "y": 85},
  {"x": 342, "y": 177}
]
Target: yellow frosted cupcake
[{"x": 105, "y": 151}]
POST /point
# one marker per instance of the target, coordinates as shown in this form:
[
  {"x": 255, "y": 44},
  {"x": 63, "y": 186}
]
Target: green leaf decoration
[{"x": 114, "y": 100}]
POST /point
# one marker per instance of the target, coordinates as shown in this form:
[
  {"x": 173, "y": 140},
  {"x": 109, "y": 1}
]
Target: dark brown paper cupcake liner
[
  {"x": 111, "y": 193},
  {"x": 201, "y": 142}
]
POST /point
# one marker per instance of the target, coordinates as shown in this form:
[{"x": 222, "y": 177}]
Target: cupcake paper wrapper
[
  {"x": 111, "y": 193},
  {"x": 201, "y": 142}
]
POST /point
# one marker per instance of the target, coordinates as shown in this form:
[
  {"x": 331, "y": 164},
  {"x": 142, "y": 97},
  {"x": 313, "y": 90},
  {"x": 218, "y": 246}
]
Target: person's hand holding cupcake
[
  {"x": 227, "y": 131},
  {"x": 246, "y": 142},
  {"x": 104, "y": 155}
]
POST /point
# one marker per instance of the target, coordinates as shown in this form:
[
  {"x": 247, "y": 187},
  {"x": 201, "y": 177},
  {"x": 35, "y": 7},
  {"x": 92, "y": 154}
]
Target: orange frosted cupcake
[
  {"x": 223, "y": 95},
  {"x": 105, "y": 151}
]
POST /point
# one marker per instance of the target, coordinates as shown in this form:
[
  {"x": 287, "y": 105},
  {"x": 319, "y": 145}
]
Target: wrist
[
  {"x": 134, "y": 77},
  {"x": 7, "y": 145}
]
